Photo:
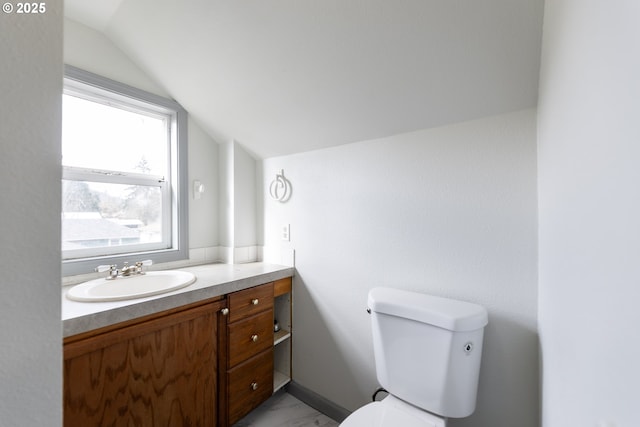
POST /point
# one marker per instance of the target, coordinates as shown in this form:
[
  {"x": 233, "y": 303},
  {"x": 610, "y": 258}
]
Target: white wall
[
  {"x": 238, "y": 204},
  {"x": 227, "y": 203},
  {"x": 31, "y": 333},
  {"x": 90, "y": 50},
  {"x": 449, "y": 211},
  {"x": 589, "y": 208},
  {"x": 245, "y": 198},
  {"x": 203, "y": 213}
]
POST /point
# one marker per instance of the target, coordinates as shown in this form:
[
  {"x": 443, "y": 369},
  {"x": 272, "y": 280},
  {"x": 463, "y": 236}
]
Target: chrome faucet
[{"x": 126, "y": 271}]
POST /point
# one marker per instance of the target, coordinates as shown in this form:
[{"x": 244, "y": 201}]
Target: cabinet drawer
[
  {"x": 250, "y": 336},
  {"x": 250, "y": 384},
  {"x": 250, "y": 301}
]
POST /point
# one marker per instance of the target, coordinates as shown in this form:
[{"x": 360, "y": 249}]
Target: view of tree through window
[
  {"x": 133, "y": 213},
  {"x": 115, "y": 167}
]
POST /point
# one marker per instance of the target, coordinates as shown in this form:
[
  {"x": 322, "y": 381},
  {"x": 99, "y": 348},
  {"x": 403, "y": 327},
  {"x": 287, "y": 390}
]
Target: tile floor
[{"x": 284, "y": 410}]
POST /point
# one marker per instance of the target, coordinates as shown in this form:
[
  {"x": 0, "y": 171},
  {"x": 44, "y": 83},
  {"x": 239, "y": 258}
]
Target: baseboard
[{"x": 317, "y": 402}]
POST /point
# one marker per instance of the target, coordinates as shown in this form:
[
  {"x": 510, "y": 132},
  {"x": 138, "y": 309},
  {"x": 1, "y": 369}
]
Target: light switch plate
[{"x": 286, "y": 233}]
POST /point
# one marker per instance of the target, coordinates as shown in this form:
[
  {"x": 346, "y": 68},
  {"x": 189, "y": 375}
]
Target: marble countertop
[{"x": 212, "y": 280}]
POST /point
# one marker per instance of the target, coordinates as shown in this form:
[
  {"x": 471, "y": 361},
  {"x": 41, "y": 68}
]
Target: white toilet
[{"x": 427, "y": 351}]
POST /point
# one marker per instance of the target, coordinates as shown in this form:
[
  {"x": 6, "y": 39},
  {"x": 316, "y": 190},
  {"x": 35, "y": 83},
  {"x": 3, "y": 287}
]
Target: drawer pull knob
[
  {"x": 224, "y": 311},
  {"x": 254, "y": 338},
  {"x": 254, "y": 301},
  {"x": 254, "y": 386}
]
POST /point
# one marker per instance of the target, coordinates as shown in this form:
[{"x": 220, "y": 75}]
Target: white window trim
[{"x": 179, "y": 249}]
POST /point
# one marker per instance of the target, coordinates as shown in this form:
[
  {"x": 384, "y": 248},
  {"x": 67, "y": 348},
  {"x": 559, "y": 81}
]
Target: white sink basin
[{"x": 122, "y": 288}]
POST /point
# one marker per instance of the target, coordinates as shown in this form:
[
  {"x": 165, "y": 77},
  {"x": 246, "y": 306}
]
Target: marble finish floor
[{"x": 284, "y": 410}]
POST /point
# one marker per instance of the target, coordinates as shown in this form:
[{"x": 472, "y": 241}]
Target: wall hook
[{"x": 280, "y": 188}]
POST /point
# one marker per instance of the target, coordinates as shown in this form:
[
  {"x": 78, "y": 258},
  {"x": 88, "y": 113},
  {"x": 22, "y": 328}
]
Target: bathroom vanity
[{"x": 203, "y": 356}]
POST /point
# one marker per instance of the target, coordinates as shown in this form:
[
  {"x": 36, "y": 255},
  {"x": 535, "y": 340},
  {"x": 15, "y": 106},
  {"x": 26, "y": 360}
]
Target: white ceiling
[
  {"x": 286, "y": 76},
  {"x": 94, "y": 14}
]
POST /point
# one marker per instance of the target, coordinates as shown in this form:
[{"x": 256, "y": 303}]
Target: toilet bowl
[
  {"x": 392, "y": 412},
  {"x": 427, "y": 351}
]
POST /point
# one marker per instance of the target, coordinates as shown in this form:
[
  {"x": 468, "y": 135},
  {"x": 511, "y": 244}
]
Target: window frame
[{"x": 78, "y": 80}]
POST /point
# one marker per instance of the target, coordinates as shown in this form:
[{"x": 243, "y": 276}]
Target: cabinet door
[{"x": 158, "y": 373}]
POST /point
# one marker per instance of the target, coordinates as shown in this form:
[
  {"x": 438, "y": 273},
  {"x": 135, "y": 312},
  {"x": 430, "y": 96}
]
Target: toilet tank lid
[{"x": 450, "y": 314}]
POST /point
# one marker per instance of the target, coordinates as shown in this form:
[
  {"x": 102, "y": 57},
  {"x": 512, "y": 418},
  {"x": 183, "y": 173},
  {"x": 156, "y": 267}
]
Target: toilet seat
[{"x": 392, "y": 412}]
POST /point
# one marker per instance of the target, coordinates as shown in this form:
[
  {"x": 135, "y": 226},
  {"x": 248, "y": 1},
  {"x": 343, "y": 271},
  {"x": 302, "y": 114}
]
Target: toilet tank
[{"x": 428, "y": 349}]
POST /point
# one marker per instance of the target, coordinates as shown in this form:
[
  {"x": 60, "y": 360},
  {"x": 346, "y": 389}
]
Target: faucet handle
[
  {"x": 105, "y": 267},
  {"x": 112, "y": 269},
  {"x": 145, "y": 263}
]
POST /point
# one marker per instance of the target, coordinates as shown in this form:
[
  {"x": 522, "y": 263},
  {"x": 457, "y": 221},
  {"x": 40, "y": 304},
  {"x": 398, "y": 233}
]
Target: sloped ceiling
[
  {"x": 94, "y": 14},
  {"x": 286, "y": 76}
]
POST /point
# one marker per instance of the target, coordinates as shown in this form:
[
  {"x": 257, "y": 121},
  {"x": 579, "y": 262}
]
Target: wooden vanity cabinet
[
  {"x": 207, "y": 364},
  {"x": 246, "y": 368},
  {"x": 157, "y": 371}
]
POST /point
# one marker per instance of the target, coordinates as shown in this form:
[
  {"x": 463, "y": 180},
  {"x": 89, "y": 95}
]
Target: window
[{"x": 124, "y": 192}]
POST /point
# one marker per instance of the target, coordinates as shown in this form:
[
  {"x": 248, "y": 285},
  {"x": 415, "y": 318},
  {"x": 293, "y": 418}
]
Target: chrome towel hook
[{"x": 280, "y": 188}]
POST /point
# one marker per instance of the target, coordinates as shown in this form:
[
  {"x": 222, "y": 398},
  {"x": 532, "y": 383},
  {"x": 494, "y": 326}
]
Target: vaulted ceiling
[{"x": 285, "y": 76}]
